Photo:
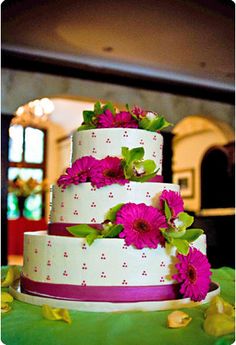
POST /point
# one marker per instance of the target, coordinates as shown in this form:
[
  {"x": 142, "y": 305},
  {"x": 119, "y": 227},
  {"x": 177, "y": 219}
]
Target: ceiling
[{"x": 190, "y": 41}]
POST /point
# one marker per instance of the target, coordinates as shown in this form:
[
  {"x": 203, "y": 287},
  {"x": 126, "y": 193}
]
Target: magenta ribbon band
[{"x": 100, "y": 293}]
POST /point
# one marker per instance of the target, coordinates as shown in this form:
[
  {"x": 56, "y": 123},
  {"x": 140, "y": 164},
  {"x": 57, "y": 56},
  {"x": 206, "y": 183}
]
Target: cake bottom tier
[{"x": 108, "y": 270}]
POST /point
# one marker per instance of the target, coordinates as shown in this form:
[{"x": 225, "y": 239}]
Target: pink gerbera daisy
[
  {"x": 174, "y": 201},
  {"x": 106, "y": 120},
  {"x": 108, "y": 171},
  {"x": 79, "y": 172},
  {"x": 139, "y": 112},
  {"x": 193, "y": 274},
  {"x": 141, "y": 224},
  {"x": 123, "y": 119}
]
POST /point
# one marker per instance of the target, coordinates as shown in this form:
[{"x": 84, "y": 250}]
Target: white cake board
[{"x": 113, "y": 307}]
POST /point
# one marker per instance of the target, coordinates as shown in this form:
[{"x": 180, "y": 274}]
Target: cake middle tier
[
  {"x": 85, "y": 204},
  {"x": 101, "y": 143}
]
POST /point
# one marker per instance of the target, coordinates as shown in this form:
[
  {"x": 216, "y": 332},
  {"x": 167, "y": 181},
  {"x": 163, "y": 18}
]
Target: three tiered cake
[{"x": 117, "y": 232}]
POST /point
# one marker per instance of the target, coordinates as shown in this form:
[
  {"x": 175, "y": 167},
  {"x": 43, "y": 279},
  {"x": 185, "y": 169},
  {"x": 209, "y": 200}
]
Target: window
[{"x": 27, "y": 147}]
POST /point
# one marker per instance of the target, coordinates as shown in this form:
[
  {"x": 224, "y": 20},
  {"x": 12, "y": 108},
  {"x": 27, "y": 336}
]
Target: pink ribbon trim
[{"x": 100, "y": 293}]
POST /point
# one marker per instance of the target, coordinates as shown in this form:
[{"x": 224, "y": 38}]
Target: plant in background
[{"x": 25, "y": 188}]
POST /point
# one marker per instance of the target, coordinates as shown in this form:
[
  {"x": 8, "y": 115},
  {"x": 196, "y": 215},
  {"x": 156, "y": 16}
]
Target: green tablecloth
[{"x": 24, "y": 325}]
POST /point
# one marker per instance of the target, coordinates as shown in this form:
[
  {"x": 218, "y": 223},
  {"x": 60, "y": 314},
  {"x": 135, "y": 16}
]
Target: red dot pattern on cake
[
  {"x": 148, "y": 195},
  {"x": 154, "y": 138},
  {"x": 125, "y": 135},
  {"x": 94, "y": 150},
  {"x": 62, "y": 204},
  {"x": 110, "y": 195},
  {"x": 128, "y": 187},
  {"x": 84, "y": 247},
  {"x": 84, "y": 267},
  {"x": 103, "y": 257},
  {"x": 48, "y": 277},
  {"x": 93, "y": 135},
  {"x": 162, "y": 280},
  {"x": 93, "y": 220},
  {"x": 35, "y": 269},
  {"x": 75, "y": 213},
  {"x": 108, "y": 141},
  {"x": 144, "y": 273},
  {"x": 125, "y": 246},
  {"x": 49, "y": 263},
  {"x": 36, "y": 251},
  {"x": 160, "y": 161},
  {"x": 65, "y": 255},
  {"x": 93, "y": 204},
  {"x": 162, "y": 264},
  {"x": 93, "y": 188},
  {"x": 61, "y": 218},
  {"x": 141, "y": 142},
  {"x": 65, "y": 274},
  {"x": 161, "y": 146},
  {"x": 49, "y": 243},
  {"x": 76, "y": 196},
  {"x": 103, "y": 275},
  {"x": 125, "y": 265},
  {"x": 144, "y": 255},
  {"x": 62, "y": 190},
  {"x": 154, "y": 154},
  {"x": 124, "y": 282},
  {"x": 83, "y": 283}
]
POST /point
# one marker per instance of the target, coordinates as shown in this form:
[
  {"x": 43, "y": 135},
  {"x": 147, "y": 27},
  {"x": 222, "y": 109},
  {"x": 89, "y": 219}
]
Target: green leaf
[
  {"x": 181, "y": 245},
  {"x": 167, "y": 211},
  {"x": 90, "y": 238},
  {"x": 98, "y": 108},
  {"x": 112, "y": 231},
  {"x": 81, "y": 230},
  {"x": 192, "y": 234},
  {"x": 186, "y": 219},
  {"x": 136, "y": 154},
  {"x": 125, "y": 153},
  {"x": 86, "y": 127},
  {"x": 111, "y": 214},
  {"x": 176, "y": 233},
  {"x": 87, "y": 116},
  {"x": 157, "y": 124},
  {"x": 109, "y": 106}
]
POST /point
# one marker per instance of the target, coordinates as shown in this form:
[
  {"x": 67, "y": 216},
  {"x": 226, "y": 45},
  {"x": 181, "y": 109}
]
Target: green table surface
[{"x": 24, "y": 325}]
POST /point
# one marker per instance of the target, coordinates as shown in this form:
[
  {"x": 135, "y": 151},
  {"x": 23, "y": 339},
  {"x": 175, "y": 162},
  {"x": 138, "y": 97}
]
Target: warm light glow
[
  {"x": 20, "y": 111},
  {"x": 34, "y": 112}
]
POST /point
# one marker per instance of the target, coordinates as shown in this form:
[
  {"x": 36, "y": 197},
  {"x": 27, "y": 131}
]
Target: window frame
[{"x": 24, "y": 164}]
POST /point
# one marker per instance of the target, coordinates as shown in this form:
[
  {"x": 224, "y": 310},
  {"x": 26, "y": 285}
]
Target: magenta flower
[
  {"x": 106, "y": 120},
  {"x": 123, "y": 119},
  {"x": 141, "y": 224},
  {"x": 108, "y": 171},
  {"x": 193, "y": 274},
  {"x": 79, "y": 172},
  {"x": 139, "y": 112},
  {"x": 174, "y": 201}
]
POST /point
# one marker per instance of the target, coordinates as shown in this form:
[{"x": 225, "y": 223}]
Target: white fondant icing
[
  {"x": 107, "y": 262},
  {"x": 86, "y": 204},
  {"x": 101, "y": 142}
]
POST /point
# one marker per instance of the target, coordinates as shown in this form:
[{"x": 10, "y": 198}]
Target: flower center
[
  {"x": 109, "y": 173},
  {"x": 141, "y": 225},
  {"x": 192, "y": 274}
]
